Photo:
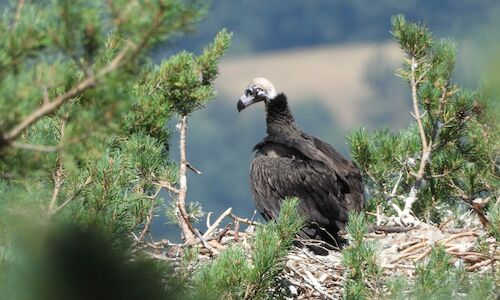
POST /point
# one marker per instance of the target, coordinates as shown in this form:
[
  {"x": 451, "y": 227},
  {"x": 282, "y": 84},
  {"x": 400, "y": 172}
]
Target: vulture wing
[
  {"x": 288, "y": 167},
  {"x": 355, "y": 199}
]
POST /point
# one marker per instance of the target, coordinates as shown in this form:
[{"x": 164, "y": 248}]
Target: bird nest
[
  {"x": 310, "y": 276},
  {"x": 314, "y": 277}
]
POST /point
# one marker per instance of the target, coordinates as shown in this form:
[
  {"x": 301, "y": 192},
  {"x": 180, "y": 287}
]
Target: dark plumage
[{"x": 289, "y": 162}]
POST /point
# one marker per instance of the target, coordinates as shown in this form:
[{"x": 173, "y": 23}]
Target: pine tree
[
  {"x": 447, "y": 160},
  {"x": 443, "y": 165},
  {"x": 83, "y": 136}
]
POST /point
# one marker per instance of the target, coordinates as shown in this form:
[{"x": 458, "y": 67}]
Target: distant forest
[{"x": 270, "y": 25}]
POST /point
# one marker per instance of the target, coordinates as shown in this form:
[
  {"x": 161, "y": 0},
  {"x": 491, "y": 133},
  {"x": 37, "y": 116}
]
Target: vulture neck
[{"x": 279, "y": 118}]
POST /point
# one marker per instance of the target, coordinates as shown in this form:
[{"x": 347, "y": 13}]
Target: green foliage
[
  {"x": 414, "y": 38},
  {"x": 185, "y": 79},
  {"x": 92, "y": 111},
  {"x": 456, "y": 124},
  {"x": 439, "y": 279},
  {"x": 231, "y": 276},
  {"x": 433, "y": 279},
  {"x": 224, "y": 278},
  {"x": 360, "y": 259},
  {"x": 494, "y": 217}
]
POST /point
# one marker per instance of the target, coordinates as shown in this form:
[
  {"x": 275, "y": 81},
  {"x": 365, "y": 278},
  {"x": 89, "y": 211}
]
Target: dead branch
[
  {"x": 217, "y": 222},
  {"x": 243, "y": 220},
  {"x": 149, "y": 218},
  {"x": 389, "y": 229},
  {"x": 193, "y": 168},
  {"x": 182, "y": 215},
  {"x": 456, "y": 236},
  {"x": 479, "y": 265}
]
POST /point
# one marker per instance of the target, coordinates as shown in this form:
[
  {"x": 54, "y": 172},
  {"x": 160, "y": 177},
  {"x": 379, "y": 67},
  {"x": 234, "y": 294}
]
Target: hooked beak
[{"x": 244, "y": 102}]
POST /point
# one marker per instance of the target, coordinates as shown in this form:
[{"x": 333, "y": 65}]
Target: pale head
[{"x": 260, "y": 89}]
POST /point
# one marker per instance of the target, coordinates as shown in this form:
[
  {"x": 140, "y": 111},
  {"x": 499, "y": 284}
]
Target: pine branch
[
  {"x": 59, "y": 172},
  {"x": 149, "y": 217},
  {"x": 73, "y": 196},
  {"x": 49, "y": 107}
]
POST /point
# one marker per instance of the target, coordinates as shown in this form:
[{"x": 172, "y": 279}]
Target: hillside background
[{"x": 334, "y": 60}]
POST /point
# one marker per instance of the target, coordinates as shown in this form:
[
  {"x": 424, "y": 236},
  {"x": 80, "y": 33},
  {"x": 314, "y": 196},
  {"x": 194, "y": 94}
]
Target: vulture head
[{"x": 260, "y": 89}]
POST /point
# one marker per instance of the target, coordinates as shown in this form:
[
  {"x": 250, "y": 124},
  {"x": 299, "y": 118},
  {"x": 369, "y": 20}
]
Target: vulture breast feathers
[{"x": 291, "y": 163}]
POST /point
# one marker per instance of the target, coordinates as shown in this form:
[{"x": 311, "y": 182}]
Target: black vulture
[{"x": 292, "y": 163}]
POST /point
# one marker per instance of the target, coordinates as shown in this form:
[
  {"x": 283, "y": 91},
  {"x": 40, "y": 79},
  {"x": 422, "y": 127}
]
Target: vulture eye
[{"x": 248, "y": 92}]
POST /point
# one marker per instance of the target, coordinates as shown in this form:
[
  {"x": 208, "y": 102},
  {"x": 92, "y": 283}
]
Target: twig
[
  {"x": 217, "y": 222},
  {"x": 209, "y": 214},
  {"x": 32, "y": 147},
  {"x": 406, "y": 216},
  {"x": 424, "y": 254},
  {"x": 416, "y": 246},
  {"x": 59, "y": 172},
  {"x": 406, "y": 245},
  {"x": 309, "y": 278},
  {"x": 479, "y": 265},
  {"x": 219, "y": 237},
  {"x": 390, "y": 229},
  {"x": 243, "y": 220},
  {"x": 456, "y": 236},
  {"x": 149, "y": 218},
  {"x": 193, "y": 168},
  {"x": 166, "y": 185},
  {"x": 236, "y": 231},
  {"x": 73, "y": 196}
]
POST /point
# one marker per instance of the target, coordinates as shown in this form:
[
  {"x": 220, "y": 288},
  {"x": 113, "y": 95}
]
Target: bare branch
[
  {"x": 414, "y": 97},
  {"x": 182, "y": 216},
  {"x": 166, "y": 185},
  {"x": 147, "y": 225},
  {"x": 245, "y": 221},
  {"x": 193, "y": 168},
  {"x": 217, "y": 222},
  {"x": 149, "y": 217},
  {"x": 59, "y": 172},
  {"x": 39, "y": 148}
]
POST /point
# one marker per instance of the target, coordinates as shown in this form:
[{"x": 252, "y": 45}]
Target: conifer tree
[
  {"x": 447, "y": 160},
  {"x": 83, "y": 113}
]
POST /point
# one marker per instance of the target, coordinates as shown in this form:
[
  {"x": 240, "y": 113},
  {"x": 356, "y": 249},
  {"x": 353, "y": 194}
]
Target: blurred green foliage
[{"x": 94, "y": 161}]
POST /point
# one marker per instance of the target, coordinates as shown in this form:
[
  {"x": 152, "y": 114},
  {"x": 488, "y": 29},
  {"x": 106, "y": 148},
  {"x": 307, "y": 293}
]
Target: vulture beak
[{"x": 245, "y": 101}]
